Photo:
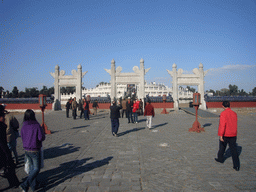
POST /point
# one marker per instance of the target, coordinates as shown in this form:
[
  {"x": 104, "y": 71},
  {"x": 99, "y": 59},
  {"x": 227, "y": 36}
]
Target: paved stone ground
[
  {"x": 84, "y": 156},
  {"x": 201, "y": 113}
]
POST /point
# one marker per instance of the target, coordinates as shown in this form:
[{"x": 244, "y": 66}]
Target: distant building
[{"x": 151, "y": 89}]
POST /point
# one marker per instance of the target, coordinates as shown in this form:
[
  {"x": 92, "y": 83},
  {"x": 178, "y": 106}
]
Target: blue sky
[{"x": 38, "y": 35}]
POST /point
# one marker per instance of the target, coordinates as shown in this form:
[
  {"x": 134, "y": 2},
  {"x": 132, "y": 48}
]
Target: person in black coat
[
  {"x": 129, "y": 105},
  {"x": 68, "y": 106},
  {"x": 6, "y": 160},
  {"x": 81, "y": 108},
  {"x": 115, "y": 115}
]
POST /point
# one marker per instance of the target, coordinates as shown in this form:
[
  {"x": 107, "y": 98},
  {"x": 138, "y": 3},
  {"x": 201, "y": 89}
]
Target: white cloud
[{"x": 226, "y": 68}]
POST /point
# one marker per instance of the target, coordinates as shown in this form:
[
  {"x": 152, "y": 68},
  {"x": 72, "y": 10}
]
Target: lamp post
[
  {"x": 164, "y": 110},
  {"x": 196, "y": 127},
  {"x": 42, "y": 103}
]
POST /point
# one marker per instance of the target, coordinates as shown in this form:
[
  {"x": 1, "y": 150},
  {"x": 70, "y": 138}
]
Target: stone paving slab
[
  {"x": 201, "y": 113},
  {"x": 83, "y": 155}
]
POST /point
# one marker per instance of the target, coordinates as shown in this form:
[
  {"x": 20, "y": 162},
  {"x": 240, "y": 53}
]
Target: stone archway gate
[
  {"x": 61, "y": 80},
  {"x": 138, "y": 77},
  {"x": 188, "y": 79}
]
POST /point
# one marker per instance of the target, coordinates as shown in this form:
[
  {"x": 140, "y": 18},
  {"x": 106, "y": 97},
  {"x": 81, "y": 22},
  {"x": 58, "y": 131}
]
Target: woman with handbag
[{"x": 32, "y": 135}]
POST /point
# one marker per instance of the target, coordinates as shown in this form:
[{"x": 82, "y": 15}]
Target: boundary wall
[
  {"x": 35, "y": 106},
  {"x": 24, "y": 106},
  {"x": 232, "y": 104}
]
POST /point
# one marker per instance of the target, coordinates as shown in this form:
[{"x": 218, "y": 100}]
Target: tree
[
  {"x": 254, "y": 91},
  {"x": 212, "y": 91},
  {"x": 67, "y": 90},
  {"x": 22, "y": 94},
  {"x": 27, "y": 92},
  {"x": 31, "y": 92},
  {"x": 101, "y": 83},
  {"x": 233, "y": 90},
  {"x": 15, "y": 92},
  {"x": 224, "y": 92},
  {"x": 71, "y": 90},
  {"x": 34, "y": 92},
  {"x": 242, "y": 93},
  {"x": 63, "y": 90},
  {"x": 1, "y": 91},
  {"x": 50, "y": 91},
  {"x": 217, "y": 93},
  {"x": 191, "y": 89},
  {"x": 44, "y": 91}
]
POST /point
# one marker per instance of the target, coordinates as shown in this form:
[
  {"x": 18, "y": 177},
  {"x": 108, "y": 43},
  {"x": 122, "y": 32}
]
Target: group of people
[
  {"x": 32, "y": 135},
  {"x": 227, "y": 126},
  {"x": 131, "y": 109},
  {"x": 82, "y": 106}
]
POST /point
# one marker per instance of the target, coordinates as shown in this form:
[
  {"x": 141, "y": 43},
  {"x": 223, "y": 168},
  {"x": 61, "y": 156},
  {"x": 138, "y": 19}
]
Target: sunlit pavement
[{"x": 82, "y": 155}]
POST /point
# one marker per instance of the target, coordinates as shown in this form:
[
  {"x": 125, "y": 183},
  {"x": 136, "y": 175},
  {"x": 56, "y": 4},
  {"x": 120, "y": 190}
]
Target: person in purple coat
[{"x": 32, "y": 135}]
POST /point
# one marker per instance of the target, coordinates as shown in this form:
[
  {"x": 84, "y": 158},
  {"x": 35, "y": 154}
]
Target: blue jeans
[
  {"x": 129, "y": 116},
  {"x": 12, "y": 146},
  {"x": 135, "y": 116},
  {"x": 86, "y": 115},
  {"x": 34, "y": 159}
]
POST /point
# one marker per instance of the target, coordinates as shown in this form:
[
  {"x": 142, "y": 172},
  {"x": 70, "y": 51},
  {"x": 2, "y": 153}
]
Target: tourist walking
[
  {"x": 12, "y": 134},
  {"x": 141, "y": 107},
  {"x": 86, "y": 110},
  {"x": 228, "y": 133},
  {"x": 95, "y": 106},
  {"x": 68, "y": 106},
  {"x": 6, "y": 161},
  {"x": 32, "y": 136},
  {"x": 81, "y": 107},
  {"x": 74, "y": 108},
  {"x": 124, "y": 108},
  {"x": 149, "y": 113},
  {"x": 135, "y": 110},
  {"x": 129, "y": 105},
  {"x": 115, "y": 115}
]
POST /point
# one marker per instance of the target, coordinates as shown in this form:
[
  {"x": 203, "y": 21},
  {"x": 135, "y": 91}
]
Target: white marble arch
[
  {"x": 188, "y": 79},
  {"x": 138, "y": 78},
  {"x": 61, "y": 80}
]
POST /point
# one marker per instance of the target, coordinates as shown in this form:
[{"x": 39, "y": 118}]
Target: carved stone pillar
[
  {"x": 113, "y": 80},
  {"x": 201, "y": 86},
  {"x": 79, "y": 83},
  {"x": 56, "y": 104},
  {"x": 142, "y": 80},
  {"x": 175, "y": 87}
]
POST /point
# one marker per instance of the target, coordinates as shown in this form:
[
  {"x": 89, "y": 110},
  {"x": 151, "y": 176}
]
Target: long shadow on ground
[
  {"x": 96, "y": 117},
  {"x": 141, "y": 120},
  {"x": 59, "y": 151},
  {"x": 130, "y": 131},
  {"x": 54, "y": 177},
  {"x": 228, "y": 152},
  {"x": 80, "y": 127},
  {"x": 159, "y": 125},
  {"x": 207, "y": 124}
]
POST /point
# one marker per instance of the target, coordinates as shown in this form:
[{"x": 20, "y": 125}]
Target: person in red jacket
[
  {"x": 227, "y": 133},
  {"x": 149, "y": 112},
  {"x": 136, "y": 105}
]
